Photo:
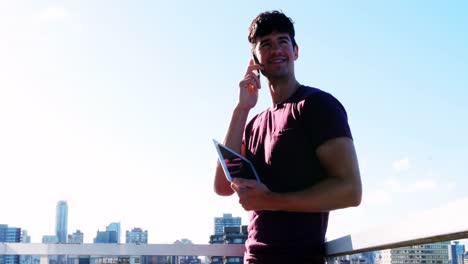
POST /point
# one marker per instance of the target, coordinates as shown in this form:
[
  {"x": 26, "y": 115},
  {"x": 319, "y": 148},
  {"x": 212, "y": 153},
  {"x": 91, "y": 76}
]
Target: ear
[{"x": 296, "y": 52}]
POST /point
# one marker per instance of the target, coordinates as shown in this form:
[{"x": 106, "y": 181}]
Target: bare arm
[
  {"x": 233, "y": 140},
  {"x": 248, "y": 96},
  {"x": 341, "y": 189}
]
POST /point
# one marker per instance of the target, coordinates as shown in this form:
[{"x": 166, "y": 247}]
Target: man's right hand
[{"x": 248, "y": 94}]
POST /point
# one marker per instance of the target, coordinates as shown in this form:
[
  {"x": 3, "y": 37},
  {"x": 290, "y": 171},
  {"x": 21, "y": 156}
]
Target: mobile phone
[{"x": 256, "y": 62}]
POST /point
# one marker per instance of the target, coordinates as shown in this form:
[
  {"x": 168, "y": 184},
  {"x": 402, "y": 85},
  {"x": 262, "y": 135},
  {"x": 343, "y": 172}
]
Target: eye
[{"x": 284, "y": 42}]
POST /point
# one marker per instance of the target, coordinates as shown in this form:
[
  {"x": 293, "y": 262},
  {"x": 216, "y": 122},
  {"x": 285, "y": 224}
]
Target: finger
[
  {"x": 233, "y": 162},
  {"x": 252, "y": 82},
  {"x": 233, "y": 165},
  {"x": 253, "y": 61},
  {"x": 253, "y": 90},
  {"x": 241, "y": 189},
  {"x": 236, "y": 187},
  {"x": 244, "y": 182},
  {"x": 247, "y": 82},
  {"x": 256, "y": 80},
  {"x": 255, "y": 74},
  {"x": 253, "y": 67},
  {"x": 234, "y": 171}
]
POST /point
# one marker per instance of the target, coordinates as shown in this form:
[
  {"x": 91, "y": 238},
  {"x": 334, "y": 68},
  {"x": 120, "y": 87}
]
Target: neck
[{"x": 282, "y": 89}]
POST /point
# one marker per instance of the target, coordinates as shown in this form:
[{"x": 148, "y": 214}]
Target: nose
[{"x": 275, "y": 48}]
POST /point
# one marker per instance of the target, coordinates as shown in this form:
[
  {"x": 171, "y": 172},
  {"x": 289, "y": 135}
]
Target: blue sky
[{"x": 112, "y": 105}]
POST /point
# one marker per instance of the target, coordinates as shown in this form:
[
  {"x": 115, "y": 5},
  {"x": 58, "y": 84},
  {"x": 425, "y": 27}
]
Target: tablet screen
[{"x": 234, "y": 164}]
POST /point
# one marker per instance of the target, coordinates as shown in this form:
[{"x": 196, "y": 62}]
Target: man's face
[{"x": 276, "y": 53}]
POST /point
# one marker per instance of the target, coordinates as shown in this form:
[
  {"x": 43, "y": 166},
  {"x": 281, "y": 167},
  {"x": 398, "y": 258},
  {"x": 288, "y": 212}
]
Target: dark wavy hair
[{"x": 270, "y": 21}]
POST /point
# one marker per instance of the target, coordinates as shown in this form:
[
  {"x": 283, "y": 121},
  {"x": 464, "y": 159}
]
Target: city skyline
[
  {"x": 448, "y": 251},
  {"x": 112, "y": 106},
  {"x": 453, "y": 250},
  {"x": 218, "y": 224}
]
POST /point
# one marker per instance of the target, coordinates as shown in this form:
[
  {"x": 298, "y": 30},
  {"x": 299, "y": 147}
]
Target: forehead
[{"x": 273, "y": 36}]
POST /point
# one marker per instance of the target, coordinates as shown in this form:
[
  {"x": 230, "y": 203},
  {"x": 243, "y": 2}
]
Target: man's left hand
[{"x": 253, "y": 195}]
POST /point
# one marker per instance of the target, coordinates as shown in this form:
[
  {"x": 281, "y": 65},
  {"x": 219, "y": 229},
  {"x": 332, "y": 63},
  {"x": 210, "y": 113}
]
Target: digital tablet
[{"x": 234, "y": 164}]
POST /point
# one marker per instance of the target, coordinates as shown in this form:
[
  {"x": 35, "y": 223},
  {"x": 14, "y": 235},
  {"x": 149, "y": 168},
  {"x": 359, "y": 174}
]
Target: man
[{"x": 301, "y": 147}]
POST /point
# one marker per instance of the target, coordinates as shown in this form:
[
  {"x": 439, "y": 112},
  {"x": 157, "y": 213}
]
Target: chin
[{"x": 277, "y": 75}]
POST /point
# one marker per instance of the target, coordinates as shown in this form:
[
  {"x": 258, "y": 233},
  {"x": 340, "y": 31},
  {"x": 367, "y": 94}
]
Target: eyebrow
[{"x": 279, "y": 38}]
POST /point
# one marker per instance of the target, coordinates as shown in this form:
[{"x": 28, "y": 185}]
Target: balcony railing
[
  {"x": 436, "y": 225},
  {"x": 430, "y": 227}
]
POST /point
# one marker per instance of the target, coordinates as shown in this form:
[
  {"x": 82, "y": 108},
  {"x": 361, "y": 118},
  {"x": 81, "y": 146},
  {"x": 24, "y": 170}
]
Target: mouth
[{"x": 277, "y": 60}]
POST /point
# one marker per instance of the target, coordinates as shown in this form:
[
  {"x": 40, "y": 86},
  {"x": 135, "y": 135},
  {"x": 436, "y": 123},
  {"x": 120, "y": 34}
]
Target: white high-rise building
[{"x": 426, "y": 253}]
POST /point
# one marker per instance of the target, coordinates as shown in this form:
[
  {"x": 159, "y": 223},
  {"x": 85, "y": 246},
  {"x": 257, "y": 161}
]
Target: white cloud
[
  {"x": 450, "y": 186},
  {"x": 377, "y": 198},
  {"x": 401, "y": 164},
  {"x": 393, "y": 185},
  {"x": 421, "y": 186},
  {"x": 53, "y": 14}
]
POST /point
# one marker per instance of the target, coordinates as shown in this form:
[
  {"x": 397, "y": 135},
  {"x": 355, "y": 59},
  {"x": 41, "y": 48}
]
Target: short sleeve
[{"x": 325, "y": 118}]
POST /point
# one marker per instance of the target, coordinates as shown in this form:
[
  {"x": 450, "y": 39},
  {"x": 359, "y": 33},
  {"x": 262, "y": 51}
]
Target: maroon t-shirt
[{"x": 281, "y": 143}]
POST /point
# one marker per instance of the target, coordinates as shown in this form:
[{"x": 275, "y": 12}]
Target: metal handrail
[{"x": 435, "y": 225}]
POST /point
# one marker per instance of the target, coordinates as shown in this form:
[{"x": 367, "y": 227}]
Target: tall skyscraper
[
  {"x": 457, "y": 253},
  {"x": 61, "y": 223},
  {"x": 116, "y": 228},
  {"x": 137, "y": 236},
  {"x": 225, "y": 221},
  {"x": 10, "y": 235}
]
